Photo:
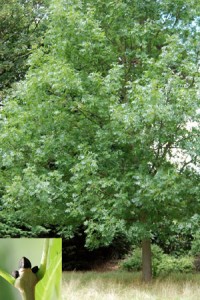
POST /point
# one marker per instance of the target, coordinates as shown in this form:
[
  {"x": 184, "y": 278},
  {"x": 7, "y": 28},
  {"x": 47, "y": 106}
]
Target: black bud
[
  {"x": 24, "y": 263},
  {"x": 35, "y": 269},
  {"x": 15, "y": 274}
]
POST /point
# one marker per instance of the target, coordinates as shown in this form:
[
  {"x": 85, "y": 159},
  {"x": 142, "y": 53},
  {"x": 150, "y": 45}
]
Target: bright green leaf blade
[
  {"x": 49, "y": 288},
  {"x": 7, "y": 277}
]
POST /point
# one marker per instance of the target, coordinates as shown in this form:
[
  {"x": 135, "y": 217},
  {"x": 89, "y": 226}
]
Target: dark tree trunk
[{"x": 146, "y": 260}]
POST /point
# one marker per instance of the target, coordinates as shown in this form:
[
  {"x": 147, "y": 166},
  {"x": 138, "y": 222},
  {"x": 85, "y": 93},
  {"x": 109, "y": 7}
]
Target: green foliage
[
  {"x": 133, "y": 262},
  {"x": 49, "y": 287},
  {"x": 89, "y": 136},
  {"x": 163, "y": 264},
  {"x": 7, "y": 276},
  {"x": 178, "y": 236},
  {"x": 170, "y": 264},
  {"x": 21, "y": 31},
  {"x": 195, "y": 249},
  {"x": 197, "y": 263},
  {"x": 16, "y": 227}
]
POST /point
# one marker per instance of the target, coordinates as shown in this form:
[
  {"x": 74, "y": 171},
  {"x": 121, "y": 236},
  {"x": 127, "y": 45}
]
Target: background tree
[
  {"x": 21, "y": 31},
  {"x": 92, "y": 136}
]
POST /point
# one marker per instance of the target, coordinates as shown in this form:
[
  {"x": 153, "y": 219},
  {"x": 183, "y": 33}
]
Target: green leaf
[
  {"x": 7, "y": 277},
  {"x": 49, "y": 287}
]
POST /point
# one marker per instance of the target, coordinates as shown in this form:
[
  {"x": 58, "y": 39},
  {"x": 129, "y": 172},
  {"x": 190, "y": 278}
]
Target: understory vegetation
[{"x": 162, "y": 263}]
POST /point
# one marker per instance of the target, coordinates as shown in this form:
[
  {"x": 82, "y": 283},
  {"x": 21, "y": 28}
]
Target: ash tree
[{"x": 104, "y": 130}]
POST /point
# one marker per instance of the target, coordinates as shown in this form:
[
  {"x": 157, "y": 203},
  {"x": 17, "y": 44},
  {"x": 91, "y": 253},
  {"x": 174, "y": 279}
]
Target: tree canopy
[
  {"x": 104, "y": 130},
  {"x": 22, "y": 27}
]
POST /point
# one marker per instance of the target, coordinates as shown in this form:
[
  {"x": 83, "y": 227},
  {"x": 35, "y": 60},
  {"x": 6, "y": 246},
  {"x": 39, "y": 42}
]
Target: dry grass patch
[{"x": 124, "y": 285}]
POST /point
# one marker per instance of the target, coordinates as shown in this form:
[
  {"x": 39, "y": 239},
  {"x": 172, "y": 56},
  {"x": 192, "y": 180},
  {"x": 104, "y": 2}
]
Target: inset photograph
[{"x": 30, "y": 268}]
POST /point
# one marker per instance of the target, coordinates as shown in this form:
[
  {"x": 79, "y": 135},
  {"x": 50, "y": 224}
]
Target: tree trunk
[{"x": 146, "y": 260}]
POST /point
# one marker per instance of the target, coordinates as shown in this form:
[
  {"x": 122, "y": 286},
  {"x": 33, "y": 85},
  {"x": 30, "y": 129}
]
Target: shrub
[
  {"x": 157, "y": 257},
  {"x": 195, "y": 248},
  {"x": 162, "y": 263},
  {"x": 197, "y": 263},
  {"x": 170, "y": 264},
  {"x": 133, "y": 261}
]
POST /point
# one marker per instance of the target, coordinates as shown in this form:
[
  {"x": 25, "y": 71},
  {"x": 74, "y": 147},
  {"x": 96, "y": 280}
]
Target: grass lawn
[{"x": 120, "y": 285}]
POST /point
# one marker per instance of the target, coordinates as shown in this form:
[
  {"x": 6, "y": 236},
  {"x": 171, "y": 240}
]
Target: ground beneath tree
[{"x": 107, "y": 266}]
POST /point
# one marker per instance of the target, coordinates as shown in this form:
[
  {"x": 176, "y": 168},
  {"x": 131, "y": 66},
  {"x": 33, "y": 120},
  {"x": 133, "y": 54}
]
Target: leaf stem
[
  {"x": 43, "y": 263},
  {"x": 7, "y": 277}
]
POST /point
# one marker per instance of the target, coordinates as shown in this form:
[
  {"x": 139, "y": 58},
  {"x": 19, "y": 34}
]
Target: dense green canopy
[
  {"x": 22, "y": 28},
  {"x": 93, "y": 134}
]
